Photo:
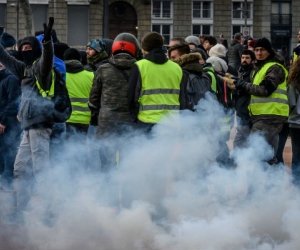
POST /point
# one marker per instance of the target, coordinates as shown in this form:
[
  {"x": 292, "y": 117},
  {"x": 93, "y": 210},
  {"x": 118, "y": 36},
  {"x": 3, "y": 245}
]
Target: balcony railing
[{"x": 281, "y": 19}]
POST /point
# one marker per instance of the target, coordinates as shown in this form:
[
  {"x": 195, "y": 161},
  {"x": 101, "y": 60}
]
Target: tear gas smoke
[{"x": 168, "y": 192}]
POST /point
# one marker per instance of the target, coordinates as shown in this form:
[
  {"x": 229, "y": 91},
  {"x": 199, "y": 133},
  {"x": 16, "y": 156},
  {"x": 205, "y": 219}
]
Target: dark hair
[
  {"x": 183, "y": 48},
  {"x": 250, "y": 53},
  {"x": 238, "y": 36},
  {"x": 178, "y": 39},
  {"x": 212, "y": 40},
  {"x": 294, "y": 74}
]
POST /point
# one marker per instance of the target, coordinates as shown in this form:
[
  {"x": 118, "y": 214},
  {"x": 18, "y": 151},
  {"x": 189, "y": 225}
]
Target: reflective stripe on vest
[
  {"x": 45, "y": 93},
  {"x": 295, "y": 56},
  {"x": 159, "y": 95},
  {"x": 277, "y": 102},
  {"x": 79, "y": 95},
  {"x": 213, "y": 79},
  {"x": 225, "y": 121}
]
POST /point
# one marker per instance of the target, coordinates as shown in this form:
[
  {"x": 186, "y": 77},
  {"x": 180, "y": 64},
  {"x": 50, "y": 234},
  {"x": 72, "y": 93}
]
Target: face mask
[{"x": 28, "y": 57}]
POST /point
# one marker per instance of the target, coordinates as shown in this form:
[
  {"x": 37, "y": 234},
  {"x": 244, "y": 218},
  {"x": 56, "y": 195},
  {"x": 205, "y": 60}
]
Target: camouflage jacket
[{"x": 109, "y": 94}]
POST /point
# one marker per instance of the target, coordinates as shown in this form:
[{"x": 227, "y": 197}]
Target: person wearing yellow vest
[
  {"x": 79, "y": 83},
  {"x": 154, "y": 84},
  {"x": 269, "y": 103},
  {"x": 35, "y": 115}
]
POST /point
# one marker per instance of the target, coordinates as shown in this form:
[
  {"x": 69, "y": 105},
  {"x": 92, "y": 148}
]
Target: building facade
[{"x": 78, "y": 21}]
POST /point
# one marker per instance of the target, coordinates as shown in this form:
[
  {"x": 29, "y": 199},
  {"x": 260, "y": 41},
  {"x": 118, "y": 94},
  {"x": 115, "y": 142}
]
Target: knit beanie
[
  {"x": 152, "y": 40},
  {"x": 251, "y": 43},
  {"x": 7, "y": 40},
  {"x": 193, "y": 40},
  {"x": 108, "y": 45},
  {"x": 97, "y": 44},
  {"x": 264, "y": 43},
  {"x": 218, "y": 64},
  {"x": 72, "y": 54},
  {"x": 218, "y": 50}
]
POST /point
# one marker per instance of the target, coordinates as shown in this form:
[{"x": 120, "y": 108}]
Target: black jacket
[
  {"x": 10, "y": 93},
  {"x": 242, "y": 98},
  {"x": 234, "y": 54},
  {"x": 35, "y": 110}
]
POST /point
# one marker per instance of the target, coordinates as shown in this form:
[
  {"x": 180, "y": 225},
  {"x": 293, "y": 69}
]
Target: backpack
[
  {"x": 61, "y": 99},
  {"x": 196, "y": 88},
  {"x": 219, "y": 87}
]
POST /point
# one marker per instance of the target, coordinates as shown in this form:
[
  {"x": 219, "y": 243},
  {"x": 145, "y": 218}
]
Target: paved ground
[{"x": 287, "y": 153}]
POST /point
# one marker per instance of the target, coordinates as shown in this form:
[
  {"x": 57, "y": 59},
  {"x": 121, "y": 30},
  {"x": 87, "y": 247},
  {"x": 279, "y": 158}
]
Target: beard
[{"x": 28, "y": 57}]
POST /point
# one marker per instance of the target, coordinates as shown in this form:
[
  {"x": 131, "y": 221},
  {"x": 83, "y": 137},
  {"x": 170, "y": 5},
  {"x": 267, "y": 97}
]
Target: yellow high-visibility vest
[
  {"x": 274, "y": 104},
  {"x": 79, "y": 86},
  {"x": 160, "y": 89}
]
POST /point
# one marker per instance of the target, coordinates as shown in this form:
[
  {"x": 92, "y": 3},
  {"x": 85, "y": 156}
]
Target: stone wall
[{"x": 182, "y": 16}]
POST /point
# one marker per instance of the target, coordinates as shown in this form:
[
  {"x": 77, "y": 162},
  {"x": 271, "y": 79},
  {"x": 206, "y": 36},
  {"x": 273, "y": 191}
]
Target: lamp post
[
  {"x": 244, "y": 10},
  {"x": 18, "y": 8}
]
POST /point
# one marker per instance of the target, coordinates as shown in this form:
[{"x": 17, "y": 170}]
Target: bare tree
[{"x": 29, "y": 25}]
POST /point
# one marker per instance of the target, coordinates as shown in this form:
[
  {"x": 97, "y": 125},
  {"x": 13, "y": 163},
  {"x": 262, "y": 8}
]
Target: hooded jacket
[
  {"x": 109, "y": 94},
  {"x": 35, "y": 110}
]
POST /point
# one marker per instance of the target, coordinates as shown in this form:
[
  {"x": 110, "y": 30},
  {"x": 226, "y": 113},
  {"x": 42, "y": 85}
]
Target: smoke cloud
[{"x": 166, "y": 192}]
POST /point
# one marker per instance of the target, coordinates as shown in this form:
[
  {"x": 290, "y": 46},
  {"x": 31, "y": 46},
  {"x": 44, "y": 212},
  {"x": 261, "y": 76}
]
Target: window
[
  {"x": 239, "y": 11},
  {"x": 164, "y": 30},
  {"x": 77, "y": 31},
  {"x": 39, "y": 13},
  {"x": 162, "y": 18},
  {"x": 281, "y": 13},
  {"x": 202, "y": 9},
  {"x": 236, "y": 29},
  {"x": 204, "y": 30},
  {"x": 242, "y": 17},
  {"x": 161, "y": 9},
  {"x": 2, "y": 17}
]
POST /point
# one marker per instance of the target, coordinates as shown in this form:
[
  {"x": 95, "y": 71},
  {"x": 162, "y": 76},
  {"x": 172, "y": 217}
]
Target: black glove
[
  {"x": 47, "y": 29},
  {"x": 94, "y": 117},
  {"x": 239, "y": 83}
]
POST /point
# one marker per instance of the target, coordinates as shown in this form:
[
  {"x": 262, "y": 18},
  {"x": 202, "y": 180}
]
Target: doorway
[{"x": 122, "y": 18}]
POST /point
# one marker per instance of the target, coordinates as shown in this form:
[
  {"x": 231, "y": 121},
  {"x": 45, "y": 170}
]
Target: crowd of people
[{"x": 119, "y": 86}]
